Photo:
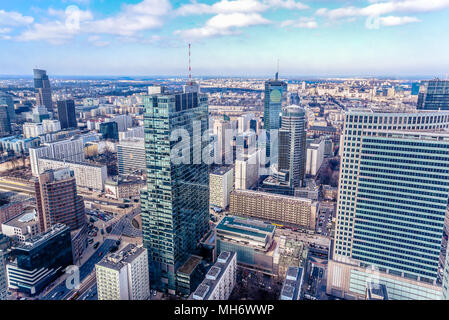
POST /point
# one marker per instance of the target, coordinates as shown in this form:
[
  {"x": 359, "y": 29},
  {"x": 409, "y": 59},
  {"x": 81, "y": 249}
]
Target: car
[
  {"x": 96, "y": 245},
  {"x": 154, "y": 293},
  {"x": 100, "y": 253}
]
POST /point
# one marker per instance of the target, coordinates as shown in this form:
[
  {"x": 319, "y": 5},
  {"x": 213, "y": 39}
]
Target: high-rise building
[
  {"x": 433, "y": 95},
  {"x": 5, "y": 123},
  {"x": 43, "y": 89},
  {"x": 109, "y": 130},
  {"x": 66, "y": 114},
  {"x": 292, "y": 145},
  {"x": 221, "y": 185},
  {"x": 124, "y": 275},
  {"x": 131, "y": 157},
  {"x": 57, "y": 200},
  {"x": 6, "y": 99},
  {"x": 175, "y": 205},
  {"x": 3, "y": 283},
  {"x": 40, "y": 260},
  {"x": 393, "y": 193},
  {"x": 315, "y": 156},
  {"x": 275, "y": 97},
  {"x": 219, "y": 128}
]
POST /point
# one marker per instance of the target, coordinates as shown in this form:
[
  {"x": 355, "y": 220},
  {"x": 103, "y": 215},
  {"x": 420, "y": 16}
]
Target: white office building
[{"x": 124, "y": 275}]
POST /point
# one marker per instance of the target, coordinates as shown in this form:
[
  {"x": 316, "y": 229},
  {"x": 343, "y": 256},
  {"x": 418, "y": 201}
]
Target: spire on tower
[{"x": 190, "y": 69}]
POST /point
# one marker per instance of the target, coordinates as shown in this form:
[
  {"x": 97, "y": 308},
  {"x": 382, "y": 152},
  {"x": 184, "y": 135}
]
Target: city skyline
[{"x": 247, "y": 37}]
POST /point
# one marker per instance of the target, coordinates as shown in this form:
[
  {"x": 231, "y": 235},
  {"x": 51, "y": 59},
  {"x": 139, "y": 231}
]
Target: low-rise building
[
  {"x": 252, "y": 240},
  {"x": 22, "y": 227},
  {"x": 279, "y": 208},
  {"x": 291, "y": 289},
  {"x": 220, "y": 279}
]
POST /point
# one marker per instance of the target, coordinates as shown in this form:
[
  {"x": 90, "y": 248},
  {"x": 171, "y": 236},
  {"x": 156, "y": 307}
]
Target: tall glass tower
[
  {"x": 43, "y": 89},
  {"x": 433, "y": 95},
  {"x": 175, "y": 205},
  {"x": 393, "y": 194},
  {"x": 292, "y": 144},
  {"x": 275, "y": 97}
]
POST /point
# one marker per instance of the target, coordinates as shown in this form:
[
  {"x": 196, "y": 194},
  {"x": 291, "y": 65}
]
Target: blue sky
[{"x": 229, "y": 37}]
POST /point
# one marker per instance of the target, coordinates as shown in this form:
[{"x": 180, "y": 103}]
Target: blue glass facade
[{"x": 175, "y": 206}]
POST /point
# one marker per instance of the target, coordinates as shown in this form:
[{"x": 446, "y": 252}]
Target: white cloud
[
  {"x": 223, "y": 24},
  {"x": 135, "y": 18},
  {"x": 391, "y": 21},
  {"x": 385, "y": 7},
  {"x": 303, "y": 22},
  {"x": 14, "y": 19},
  {"x": 237, "y": 6}
]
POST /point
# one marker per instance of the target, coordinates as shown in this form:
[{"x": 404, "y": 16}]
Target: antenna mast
[{"x": 190, "y": 69}]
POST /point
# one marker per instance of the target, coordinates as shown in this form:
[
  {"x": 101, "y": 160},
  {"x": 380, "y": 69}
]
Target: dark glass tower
[
  {"x": 5, "y": 123},
  {"x": 66, "y": 114},
  {"x": 43, "y": 89},
  {"x": 433, "y": 95},
  {"x": 175, "y": 205},
  {"x": 275, "y": 97}
]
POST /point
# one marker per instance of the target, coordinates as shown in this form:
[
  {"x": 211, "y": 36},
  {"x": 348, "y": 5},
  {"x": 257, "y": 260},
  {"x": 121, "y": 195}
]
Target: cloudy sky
[{"x": 228, "y": 37}]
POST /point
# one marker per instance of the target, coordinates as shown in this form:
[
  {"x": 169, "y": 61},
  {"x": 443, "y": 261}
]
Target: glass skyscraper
[
  {"x": 292, "y": 145},
  {"x": 43, "y": 89},
  {"x": 66, "y": 114},
  {"x": 175, "y": 205},
  {"x": 433, "y": 95},
  {"x": 393, "y": 194},
  {"x": 275, "y": 97}
]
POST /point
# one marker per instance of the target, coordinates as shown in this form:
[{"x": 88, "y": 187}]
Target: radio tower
[{"x": 190, "y": 69}]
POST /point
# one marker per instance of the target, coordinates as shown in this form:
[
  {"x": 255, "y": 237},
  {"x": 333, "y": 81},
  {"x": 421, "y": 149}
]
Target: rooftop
[
  {"x": 120, "y": 259},
  {"x": 221, "y": 170},
  {"x": 213, "y": 276},
  {"x": 254, "y": 228},
  {"x": 190, "y": 264}
]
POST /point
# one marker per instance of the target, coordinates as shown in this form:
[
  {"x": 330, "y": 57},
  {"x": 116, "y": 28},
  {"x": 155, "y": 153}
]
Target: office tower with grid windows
[
  {"x": 393, "y": 194},
  {"x": 433, "y": 95},
  {"x": 175, "y": 205}
]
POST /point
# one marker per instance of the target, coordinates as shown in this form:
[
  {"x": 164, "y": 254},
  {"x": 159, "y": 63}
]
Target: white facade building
[
  {"x": 71, "y": 150},
  {"x": 315, "y": 157},
  {"x": 221, "y": 183},
  {"x": 247, "y": 170},
  {"x": 124, "y": 275},
  {"x": 220, "y": 279},
  {"x": 87, "y": 175}
]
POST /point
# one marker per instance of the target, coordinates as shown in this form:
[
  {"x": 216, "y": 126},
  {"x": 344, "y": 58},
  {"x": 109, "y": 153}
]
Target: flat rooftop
[
  {"x": 221, "y": 170},
  {"x": 190, "y": 264},
  {"x": 118, "y": 260},
  {"x": 254, "y": 228}
]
